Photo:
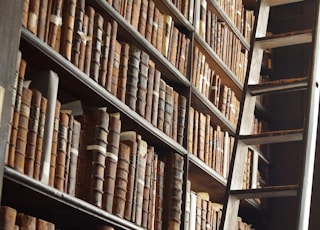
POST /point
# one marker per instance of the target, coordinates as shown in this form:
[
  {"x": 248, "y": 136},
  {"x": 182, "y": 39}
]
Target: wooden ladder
[{"x": 244, "y": 138}]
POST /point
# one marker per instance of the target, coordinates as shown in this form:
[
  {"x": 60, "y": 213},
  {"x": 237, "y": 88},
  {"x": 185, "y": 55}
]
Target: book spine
[
  {"x": 167, "y": 24},
  {"x": 161, "y": 106},
  {"x": 83, "y": 44},
  {"x": 123, "y": 71},
  {"x": 78, "y": 33},
  {"x": 168, "y": 111},
  {"x": 149, "y": 23},
  {"x": 150, "y": 85},
  {"x": 182, "y": 108},
  {"x": 158, "y": 220},
  {"x": 105, "y": 52},
  {"x": 43, "y": 11},
  {"x": 68, "y": 152},
  {"x": 201, "y": 138},
  {"x": 33, "y": 16},
  {"x": 7, "y": 217},
  {"x": 112, "y": 46},
  {"x": 174, "y": 126},
  {"x": 26, "y": 221},
  {"x": 136, "y": 6},
  {"x": 142, "y": 84},
  {"x": 25, "y": 13},
  {"x": 116, "y": 68},
  {"x": 143, "y": 17},
  {"x": 90, "y": 12},
  {"x": 155, "y": 27},
  {"x": 190, "y": 129},
  {"x": 155, "y": 97},
  {"x": 44, "y": 225},
  {"x": 153, "y": 189},
  {"x": 55, "y": 22},
  {"x": 128, "y": 10}
]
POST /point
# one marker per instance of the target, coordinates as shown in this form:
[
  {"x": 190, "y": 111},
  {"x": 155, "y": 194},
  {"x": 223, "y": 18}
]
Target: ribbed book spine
[
  {"x": 123, "y": 71},
  {"x": 142, "y": 84}
]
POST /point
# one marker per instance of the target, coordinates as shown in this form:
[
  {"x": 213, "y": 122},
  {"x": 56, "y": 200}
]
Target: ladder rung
[
  {"x": 285, "y": 39},
  {"x": 279, "y": 136},
  {"x": 281, "y": 2},
  {"x": 279, "y": 86},
  {"x": 266, "y": 192}
]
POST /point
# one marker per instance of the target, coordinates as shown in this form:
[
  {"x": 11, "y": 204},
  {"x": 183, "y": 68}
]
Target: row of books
[
  {"x": 209, "y": 143},
  {"x": 10, "y": 219},
  {"x": 202, "y": 213}
]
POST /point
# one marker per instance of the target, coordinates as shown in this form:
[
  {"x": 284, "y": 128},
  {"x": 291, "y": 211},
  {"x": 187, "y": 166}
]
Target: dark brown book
[
  {"x": 130, "y": 138},
  {"x": 96, "y": 46},
  {"x": 143, "y": 17},
  {"x": 40, "y": 136},
  {"x": 21, "y": 143},
  {"x": 68, "y": 149},
  {"x": 159, "y": 208},
  {"x": 173, "y": 50},
  {"x": 149, "y": 23},
  {"x": 44, "y": 225},
  {"x": 90, "y": 12},
  {"x": 155, "y": 97},
  {"x": 149, "y": 96},
  {"x": 195, "y": 132},
  {"x": 182, "y": 108},
  {"x": 136, "y": 6},
  {"x": 7, "y": 217},
  {"x": 123, "y": 71},
  {"x": 162, "y": 103},
  {"x": 195, "y": 65},
  {"x": 33, "y": 16},
  {"x": 55, "y": 22},
  {"x": 168, "y": 111},
  {"x": 121, "y": 182},
  {"x": 32, "y": 132},
  {"x": 84, "y": 38},
  {"x": 106, "y": 36},
  {"x": 142, "y": 84},
  {"x": 25, "y": 13},
  {"x": 78, "y": 33},
  {"x": 190, "y": 130},
  {"x": 132, "y": 77},
  {"x": 112, "y": 46},
  {"x": 111, "y": 161},
  {"x": 26, "y": 222},
  {"x": 116, "y": 68},
  {"x": 175, "y": 113},
  {"x": 42, "y": 19},
  {"x": 153, "y": 191}
]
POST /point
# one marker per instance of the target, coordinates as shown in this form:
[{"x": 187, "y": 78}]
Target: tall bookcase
[{"x": 38, "y": 199}]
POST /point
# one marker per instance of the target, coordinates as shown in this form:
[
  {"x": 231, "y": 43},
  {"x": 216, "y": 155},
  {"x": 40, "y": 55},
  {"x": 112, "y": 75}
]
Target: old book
[
  {"x": 136, "y": 6},
  {"x": 68, "y": 18},
  {"x": 7, "y": 217},
  {"x": 195, "y": 132},
  {"x": 123, "y": 71},
  {"x": 128, "y": 11},
  {"x": 187, "y": 206},
  {"x": 168, "y": 111},
  {"x": 123, "y": 7},
  {"x": 90, "y": 12},
  {"x": 44, "y": 225},
  {"x": 55, "y": 22},
  {"x": 111, "y": 161},
  {"x": 33, "y": 16},
  {"x": 116, "y": 68},
  {"x": 172, "y": 192},
  {"x": 175, "y": 111},
  {"x": 215, "y": 90},
  {"x": 132, "y": 77},
  {"x": 161, "y": 106},
  {"x": 155, "y": 97},
  {"x": 84, "y": 38},
  {"x": 150, "y": 85},
  {"x": 182, "y": 108},
  {"x": 193, "y": 210},
  {"x": 116, "y": 5},
  {"x": 190, "y": 130},
  {"x": 104, "y": 227},
  {"x": 201, "y": 137},
  {"x": 173, "y": 50},
  {"x": 159, "y": 199},
  {"x": 195, "y": 65},
  {"x": 167, "y": 25},
  {"x": 42, "y": 19},
  {"x": 96, "y": 46},
  {"x": 153, "y": 190},
  {"x": 202, "y": 18},
  {"x": 121, "y": 181},
  {"x": 160, "y": 36},
  {"x": 142, "y": 84},
  {"x": 105, "y": 48},
  {"x": 111, "y": 55},
  {"x": 129, "y": 138},
  {"x": 143, "y": 17},
  {"x": 25, "y": 221},
  {"x": 23, "y": 127},
  {"x": 207, "y": 139},
  {"x": 68, "y": 147},
  {"x": 40, "y": 136},
  {"x": 78, "y": 33},
  {"x": 32, "y": 132},
  {"x": 155, "y": 27},
  {"x": 149, "y": 23},
  {"x": 25, "y": 13}
]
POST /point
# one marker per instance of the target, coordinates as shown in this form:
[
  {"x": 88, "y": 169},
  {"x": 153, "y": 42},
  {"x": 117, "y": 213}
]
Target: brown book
[
  {"x": 44, "y": 225},
  {"x": 116, "y": 68},
  {"x": 33, "y": 16},
  {"x": 190, "y": 130},
  {"x": 195, "y": 64},
  {"x": 173, "y": 50},
  {"x": 201, "y": 138},
  {"x": 123, "y": 71},
  {"x": 32, "y": 132},
  {"x": 215, "y": 90},
  {"x": 111, "y": 161},
  {"x": 168, "y": 111},
  {"x": 207, "y": 139},
  {"x": 155, "y": 97},
  {"x": 130, "y": 138},
  {"x": 104, "y": 227},
  {"x": 175, "y": 111},
  {"x": 68, "y": 18},
  {"x": 112, "y": 46},
  {"x": 173, "y": 181},
  {"x": 149, "y": 23},
  {"x": 195, "y": 132},
  {"x": 128, "y": 10},
  {"x": 188, "y": 206},
  {"x": 159, "y": 206},
  {"x": 90, "y": 12},
  {"x": 155, "y": 27},
  {"x": 160, "y": 36},
  {"x": 96, "y": 46},
  {"x": 223, "y": 99},
  {"x": 55, "y": 22},
  {"x": 42, "y": 19},
  {"x": 153, "y": 190},
  {"x": 78, "y": 33},
  {"x": 143, "y": 17},
  {"x": 83, "y": 44},
  {"x": 182, "y": 108},
  {"x": 121, "y": 182},
  {"x": 25, "y": 13},
  {"x": 21, "y": 143},
  {"x": 132, "y": 77},
  {"x": 26, "y": 222},
  {"x": 162, "y": 103},
  {"x": 106, "y": 36},
  {"x": 136, "y": 6},
  {"x": 167, "y": 25},
  {"x": 116, "y": 5},
  {"x": 150, "y": 86},
  {"x": 142, "y": 84},
  {"x": 68, "y": 150},
  {"x": 7, "y": 217}
]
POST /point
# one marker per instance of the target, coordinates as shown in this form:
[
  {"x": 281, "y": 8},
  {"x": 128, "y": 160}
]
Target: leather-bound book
[
  {"x": 160, "y": 36},
  {"x": 162, "y": 103},
  {"x": 195, "y": 132},
  {"x": 105, "y": 48},
  {"x": 78, "y": 34},
  {"x": 33, "y": 16},
  {"x": 132, "y": 77},
  {"x": 155, "y": 27},
  {"x": 168, "y": 110},
  {"x": 116, "y": 68},
  {"x": 123, "y": 71},
  {"x": 142, "y": 84},
  {"x": 143, "y": 17},
  {"x": 84, "y": 38},
  {"x": 150, "y": 85},
  {"x": 116, "y": 5},
  {"x": 96, "y": 46},
  {"x": 32, "y": 133},
  {"x": 111, "y": 161},
  {"x": 159, "y": 208},
  {"x": 21, "y": 144},
  {"x": 104, "y": 227},
  {"x": 149, "y": 24},
  {"x": 167, "y": 25},
  {"x": 42, "y": 19},
  {"x": 215, "y": 90},
  {"x": 90, "y": 12},
  {"x": 121, "y": 182},
  {"x": 201, "y": 136},
  {"x": 7, "y": 217},
  {"x": 40, "y": 135},
  {"x": 153, "y": 191},
  {"x": 136, "y": 6},
  {"x": 130, "y": 138},
  {"x": 25, "y": 13},
  {"x": 175, "y": 111},
  {"x": 190, "y": 130},
  {"x": 182, "y": 54},
  {"x": 68, "y": 150},
  {"x": 172, "y": 51},
  {"x": 207, "y": 139},
  {"x": 113, "y": 40},
  {"x": 182, "y": 108},
  {"x": 55, "y": 22},
  {"x": 26, "y": 222},
  {"x": 44, "y": 225},
  {"x": 128, "y": 10},
  {"x": 155, "y": 97}
]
